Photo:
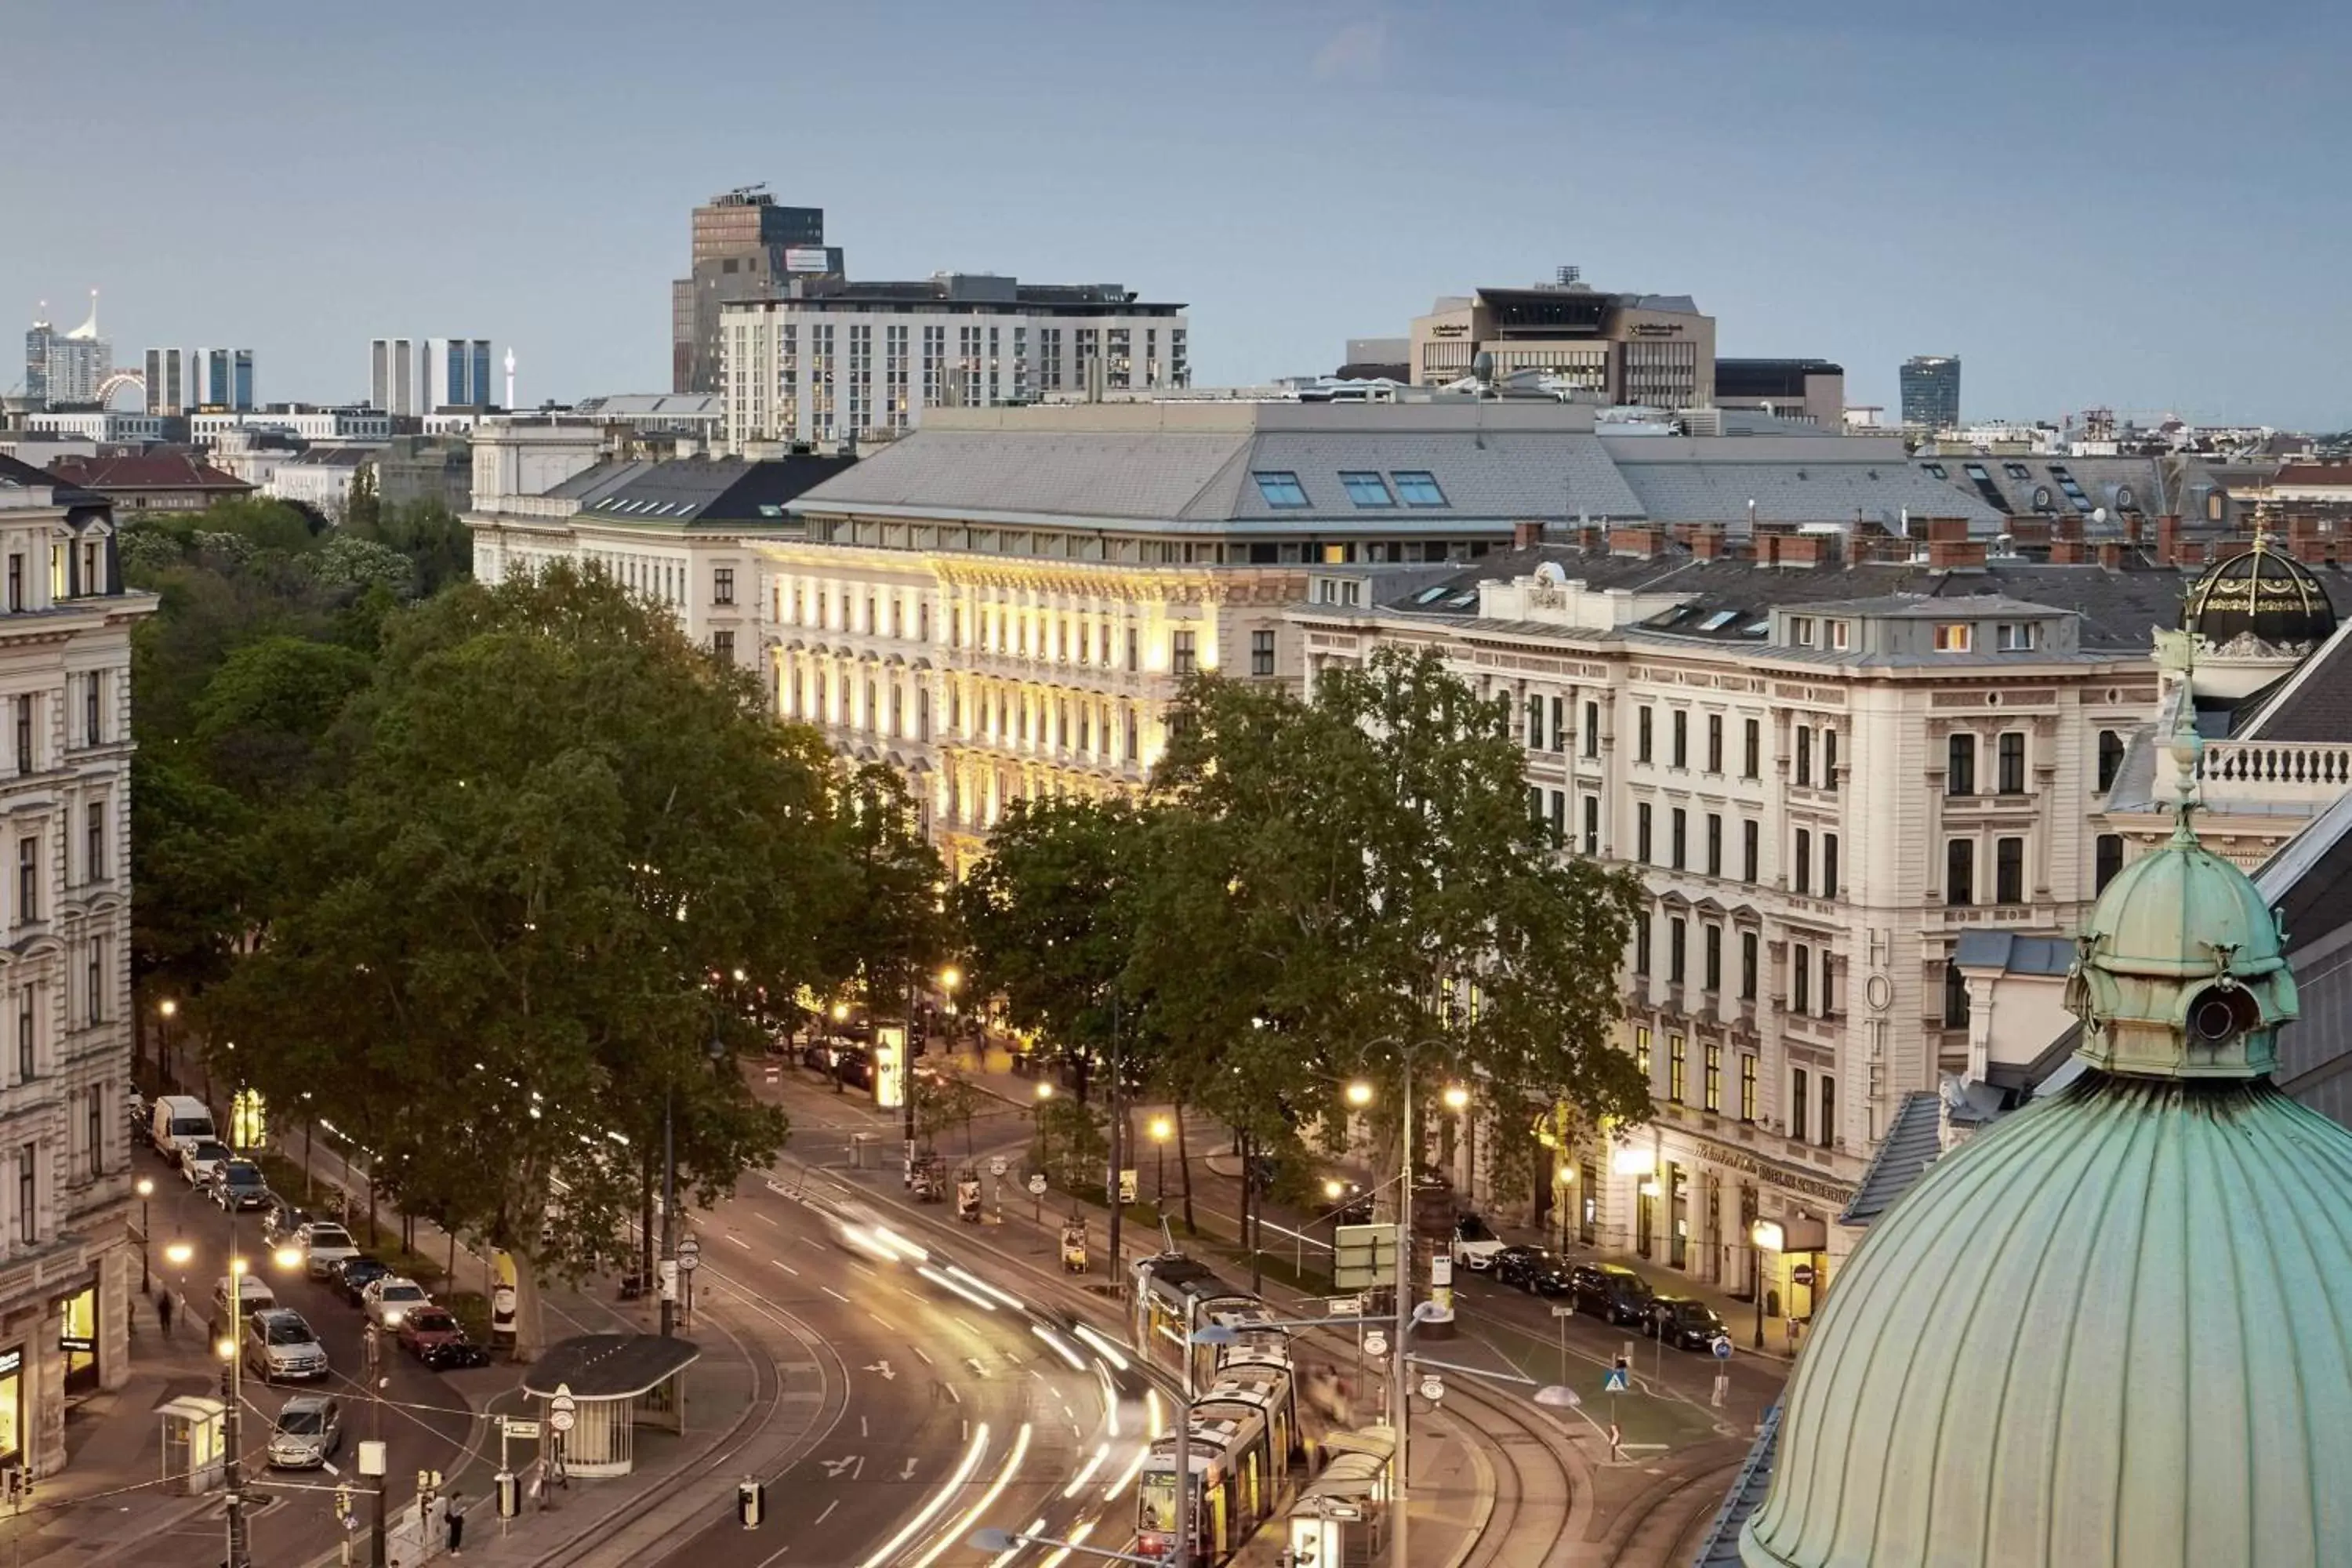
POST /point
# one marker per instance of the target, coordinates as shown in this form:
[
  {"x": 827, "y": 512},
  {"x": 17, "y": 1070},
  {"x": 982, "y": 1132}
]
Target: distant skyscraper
[
  {"x": 221, "y": 381},
  {"x": 65, "y": 370},
  {"x": 1931, "y": 393},
  {"x": 745, "y": 248},
  {"x": 455, "y": 374},
  {"x": 167, "y": 381}
]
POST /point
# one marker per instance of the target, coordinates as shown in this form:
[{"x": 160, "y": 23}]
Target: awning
[{"x": 609, "y": 1366}]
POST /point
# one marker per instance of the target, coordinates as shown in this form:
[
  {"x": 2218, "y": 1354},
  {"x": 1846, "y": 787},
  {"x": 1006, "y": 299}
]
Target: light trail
[
  {"x": 929, "y": 1511},
  {"x": 970, "y": 1521}
]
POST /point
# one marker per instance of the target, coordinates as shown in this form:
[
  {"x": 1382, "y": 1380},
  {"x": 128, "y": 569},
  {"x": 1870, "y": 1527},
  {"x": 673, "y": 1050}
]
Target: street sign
[
  {"x": 690, "y": 1254},
  {"x": 1722, "y": 1347},
  {"x": 1802, "y": 1274},
  {"x": 560, "y": 1409},
  {"x": 1376, "y": 1343},
  {"x": 1363, "y": 1256},
  {"x": 560, "y": 1422},
  {"x": 517, "y": 1427},
  {"x": 1617, "y": 1382},
  {"x": 1563, "y": 1311},
  {"x": 996, "y": 1164},
  {"x": 1038, "y": 1184},
  {"x": 1433, "y": 1389},
  {"x": 1345, "y": 1305}
]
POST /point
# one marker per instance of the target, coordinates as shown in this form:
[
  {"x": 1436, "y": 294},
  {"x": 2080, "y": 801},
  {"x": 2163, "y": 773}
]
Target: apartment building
[
  {"x": 1652, "y": 348},
  {"x": 67, "y": 1263},
  {"x": 1830, "y": 771}
]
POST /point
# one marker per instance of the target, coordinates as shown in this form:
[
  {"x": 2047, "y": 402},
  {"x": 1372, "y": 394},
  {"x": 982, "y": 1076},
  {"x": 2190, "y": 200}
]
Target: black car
[
  {"x": 237, "y": 1185},
  {"x": 1611, "y": 1292},
  {"x": 1535, "y": 1269},
  {"x": 1684, "y": 1323},
  {"x": 354, "y": 1275},
  {"x": 1351, "y": 1203}
]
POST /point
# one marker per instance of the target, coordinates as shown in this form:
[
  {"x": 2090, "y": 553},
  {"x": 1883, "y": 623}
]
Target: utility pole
[
  {"x": 1118, "y": 1124},
  {"x": 668, "y": 1283},
  {"x": 232, "y": 1388},
  {"x": 1399, "y": 1371}
]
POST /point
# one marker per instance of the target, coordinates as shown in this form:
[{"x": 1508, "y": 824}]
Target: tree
[{"x": 564, "y": 827}]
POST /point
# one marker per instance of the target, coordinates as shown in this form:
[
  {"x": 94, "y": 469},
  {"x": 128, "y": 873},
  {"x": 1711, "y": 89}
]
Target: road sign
[
  {"x": 1363, "y": 1255},
  {"x": 517, "y": 1428},
  {"x": 996, "y": 1164},
  {"x": 1563, "y": 1311},
  {"x": 1376, "y": 1344},
  {"x": 690, "y": 1254},
  {"x": 1433, "y": 1389},
  {"x": 1345, "y": 1305},
  {"x": 1616, "y": 1381},
  {"x": 1722, "y": 1347},
  {"x": 560, "y": 1409},
  {"x": 1802, "y": 1274},
  {"x": 559, "y": 1421},
  {"x": 1038, "y": 1184}
]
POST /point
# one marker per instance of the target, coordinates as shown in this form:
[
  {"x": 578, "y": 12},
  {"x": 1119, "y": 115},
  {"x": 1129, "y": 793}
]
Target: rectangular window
[
  {"x": 1678, "y": 948},
  {"x": 2110, "y": 860},
  {"x": 1559, "y": 816},
  {"x": 1714, "y": 844},
  {"x": 1643, "y": 722},
  {"x": 1682, "y": 738},
  {"x": 1280, "y": 488},
  {"x": 1800, "y": 630},
  {"x": 1804, "y": 754},
  {"x": 1828, "y": 1130},
  {"x": 1712, "y": 973},
  {"x": 1956, "y": 997},
  {"x": 1960, "y": 765},
  {"x": 722, "y": 647},
  {"x": 1559, "y": 724},
  {"x": 1748, "y": 1086},
  {"x": 1829, "y": 760},
  {"x": 2009, "y": 870},
  {"x": 1711, "y": 1087},
  {"x": 1677, "y": 829},
  {"x": 1715, "y": 743},
  {"x": 1592, "y": 729},
  {"x": 1954, "y": 636},
  {"x": 1642, "y": 1052},
  {"x": 1641, "y": 944},
  {"x": 1749, "y": 946},
  {"x": 27, "y": 1056},
  {"x": 2012, "y": 763},
  {"x": 1800, "y": 979},
  {"x": 93, "y": 862},
  {"x": 1799, "y": 1092},
  {"x": 1642, "y": 832},
  {"x": 1829, "y": 864},
  {"x": 1676, "y": 1067},
  {"x": 28, "y": 884},
  {"x": 1133, "y": 662},
  {"x": 1752, "y": 754},
  {"x": 1535, "y": 723},
  {"x": 1840, "y": 635},
  {"x": 93, "y": 1134},
  {"x": 723, "y": 587},
  {"x": 28, "y": 1194},
  {"x": 2014, "y": 636},
  {"x": 93, "y": 733},
  {"x": 1131, "y": 747},
  {"x": 16, "y": 582},
  {"x": 1959, "y": 872},
  {"x": 1417, "y": 486},
  {"x": 1364, "y": 487},
  {"x": 1260, "y": 653},
  {"x": 1804, "y": 858},
  {"x": 24, "y": 735},
  {"x": 2111, "y": 759},
  {"x": 1750, "y": 843},
  {"x": 1181, "y": 653},
  {"x": 94, "y": 982},
  {"x": 1592, "y": 824}
]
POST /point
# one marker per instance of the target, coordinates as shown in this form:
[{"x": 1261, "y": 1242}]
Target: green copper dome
[{"x": 2116, "y": 1329}]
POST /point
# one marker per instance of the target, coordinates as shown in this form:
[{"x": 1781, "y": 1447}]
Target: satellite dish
[
  {"x": 2124, "y": 497},
  {"x": 2098, "y": 514},
  {"x": 1551, "y": 572}
]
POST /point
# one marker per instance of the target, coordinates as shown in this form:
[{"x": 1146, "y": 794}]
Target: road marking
[
  {"x": 763, "y": 1219},
  {"x": 828, "y": 1508},
  {"x": 785, "y": 1266},
  {"x": 865, "y": 1270},
  {"x": 861, "y": 1427},
  {"x": 887, "y": 1325},
  {"x": 329, "y": 1466},
  {"x": 883, "y": 1368},
  {"x": 835, "y": 1294},
  {"x": 853, "y": 1463},
  {"x": 811, "y": 1241},
  {"x": 910, "y": 1295},
  {"x": 952, "y": 1392},
  {"x": 967, "y": 1322},
  {"x": 740, "y": 1242},
  {"x": 907, "y": 1470},
  {"x": 918, "y": 1351}
]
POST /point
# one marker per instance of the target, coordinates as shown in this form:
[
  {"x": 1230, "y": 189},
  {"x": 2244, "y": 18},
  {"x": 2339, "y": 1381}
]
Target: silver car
[
  {"x": 282, "y": 1347},
  {"x": 309, "y": 1430}
]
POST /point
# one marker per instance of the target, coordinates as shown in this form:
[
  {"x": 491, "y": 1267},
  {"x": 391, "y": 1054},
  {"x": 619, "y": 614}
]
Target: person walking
[
  {"x": 163, "y": 1312},
  {"x": 455, "y": 1521}
]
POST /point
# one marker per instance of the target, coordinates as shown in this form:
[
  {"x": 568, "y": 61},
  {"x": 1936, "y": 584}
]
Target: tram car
[
  {"x": 1244, "y": 1439},
  {"x": 1175, "y": 1297}
]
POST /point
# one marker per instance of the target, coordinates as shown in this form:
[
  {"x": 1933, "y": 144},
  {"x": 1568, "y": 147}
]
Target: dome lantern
[{"x": 2263, "y": 597}]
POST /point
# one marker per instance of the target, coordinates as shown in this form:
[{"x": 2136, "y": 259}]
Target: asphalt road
[{"x": 421, "y": 1414}]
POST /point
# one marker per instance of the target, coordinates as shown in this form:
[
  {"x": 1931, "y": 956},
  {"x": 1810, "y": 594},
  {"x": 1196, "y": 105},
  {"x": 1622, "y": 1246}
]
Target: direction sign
[
  {"x": 1038, "y": 1184},
  {"x": 517, "y": 1427},
  {"x": 559, "y": 1421},
  {"x": 1344, "y": 1306},
  {"x": 1376, "y": 1344},
  {"x": 1616, "y": 1381},
  {"x": 1563, "y": 1311},
  {"x": 690, "y": 1254},
  {"x": 1802, "y": 1274},
  {"x": 1433, "y": 1389},
  {"x": 996, "y": 1164},
  {"x": 1722, "y": 1347}
]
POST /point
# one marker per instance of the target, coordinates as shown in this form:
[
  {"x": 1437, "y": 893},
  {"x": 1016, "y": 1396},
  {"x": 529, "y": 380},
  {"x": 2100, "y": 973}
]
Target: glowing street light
[
  {"x": 1360, "y": 1094},
  {"x": 1456, "y": 1096}
]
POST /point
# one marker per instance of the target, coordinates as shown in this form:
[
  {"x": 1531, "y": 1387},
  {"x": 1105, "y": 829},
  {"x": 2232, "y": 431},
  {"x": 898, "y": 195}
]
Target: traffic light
[{"x": 751, "y": 1502}]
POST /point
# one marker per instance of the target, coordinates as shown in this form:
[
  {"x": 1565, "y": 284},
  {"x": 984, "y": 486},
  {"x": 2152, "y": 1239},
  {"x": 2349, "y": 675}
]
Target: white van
[{"x": 180, "y": 1120}]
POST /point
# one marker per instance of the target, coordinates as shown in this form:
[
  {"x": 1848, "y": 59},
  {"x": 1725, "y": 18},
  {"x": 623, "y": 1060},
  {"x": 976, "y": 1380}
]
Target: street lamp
[
  {"x": 1767, "y": 1236},
  {"x": 1161, "y": 1129},
  {"x": 232, "y": 1395},
  {"x": 1037, "y": 1121},
  {"x": 145, "y": 1189},
  {"x": 1456, "y": 1096},
  {"x": 166, "y": 1010},
  {"x": 716, "y": 1051}
]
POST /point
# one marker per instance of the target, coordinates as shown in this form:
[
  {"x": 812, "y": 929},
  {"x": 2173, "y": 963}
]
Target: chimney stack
[
  {"x": 1954, "y": 554},
  {"x": 2066, "y": 553},
  {"x": 2168, "y": 539},
  {"x": 2110, "y": 554},
  {"x": 1947, "y": 528},
  {"x": 1527, "y": 533},
  {"x": 1707, "y": 544},
  {"x": 1634, "y": 539}
]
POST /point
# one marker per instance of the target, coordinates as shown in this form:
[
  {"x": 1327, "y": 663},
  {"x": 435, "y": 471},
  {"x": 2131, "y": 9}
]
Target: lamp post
[
  {"x": 716, "y": 1051},
  {"x": 165, "y": 1010},
  {"x": 1766, "y": 1236},
  {"x": 1161, "y": 1130},
  {"x": 145, "y": 1189}
]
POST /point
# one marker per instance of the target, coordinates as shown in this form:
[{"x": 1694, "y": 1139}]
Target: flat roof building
[
  {"x": 745, "y": 246},
  {"x": 1651, "y": 348}
]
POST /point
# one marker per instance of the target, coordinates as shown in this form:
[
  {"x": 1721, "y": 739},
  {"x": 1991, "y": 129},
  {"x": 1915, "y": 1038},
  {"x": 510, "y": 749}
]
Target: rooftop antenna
[{"x": 510, "y": 402}]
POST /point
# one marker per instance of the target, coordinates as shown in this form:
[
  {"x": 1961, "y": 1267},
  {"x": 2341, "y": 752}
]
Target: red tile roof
[
  {"x": 147, "y": 471},
  {"x": 2313, "y": 474}
]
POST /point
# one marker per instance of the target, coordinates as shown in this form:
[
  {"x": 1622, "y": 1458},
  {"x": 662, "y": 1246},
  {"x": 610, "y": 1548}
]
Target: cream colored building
[
  {"x": 1829, "y": 775},
  {"x": 69, "y": 1259},
  {"x": 1652, "y": 348}
]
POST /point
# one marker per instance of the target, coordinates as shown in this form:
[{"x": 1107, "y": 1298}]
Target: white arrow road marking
[
  {"x": 907, "y": 1471},
  {"x": 883, "y": 1368},
  {"x": 854, "y": 1463}
]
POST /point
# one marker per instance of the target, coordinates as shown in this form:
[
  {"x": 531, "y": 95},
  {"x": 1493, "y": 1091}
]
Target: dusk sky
[{"x": 2143, "y": 207}]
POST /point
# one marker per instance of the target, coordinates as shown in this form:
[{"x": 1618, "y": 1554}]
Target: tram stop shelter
[
  {"x": 616, "y": 1382},
  {"x": 1340, "y": 1518},
  {"x": 194, "y": 1444}
]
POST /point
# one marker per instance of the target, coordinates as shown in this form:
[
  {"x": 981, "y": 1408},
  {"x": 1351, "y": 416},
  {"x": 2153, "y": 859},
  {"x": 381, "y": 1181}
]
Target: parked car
[
  {"x": 253, "y": 1295},
  {"x": 1535, "y": 1269},
  {"x": 1684, "y": 1323},
  {"x": 353, "y": 1276},
  {"x": 202, "y": 1158},
  {"x": 176, "y": 1121},
  {"x": 323, "y": 1244},
  {"x": 435, "y": 1338},
  {"x": 1475, "y": 1243},
  {"x": 392, "y": 1297},
  {"x": 1610, "y": 1291},
  {"x": 1347, "y": 1202},
  {"x": 237, "y": 1185},
  {"x": 309, "y": 1431},
  {"x": 280, "y": 1346},
  {"x": 853, "y": 1064}
]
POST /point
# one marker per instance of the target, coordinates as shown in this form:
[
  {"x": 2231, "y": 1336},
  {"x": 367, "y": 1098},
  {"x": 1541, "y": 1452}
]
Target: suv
[
  {"x": 280, "y": 1346},
  {"x": 237, "y": 1185},
  {"x": 1610, "y": 1291},
  {"x": 202, "y": 1158},
  {"x": 309, "y": 1430},
  {"x": 323, "y": 1244},
  {"x": 1475, "y": 1243}
]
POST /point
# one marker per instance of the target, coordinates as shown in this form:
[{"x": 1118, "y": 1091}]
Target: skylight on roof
[
  {"x": 1418, "y": 487},
  {"x": 1463, "y": 601},
  {"x": 1755, "y": 628},
  {"x": 1431, "y": 595},
  {"x": 1366, "y": 487},
  {"x": 1717, "y": 621},
  {"x": 1280, "y": 487}
]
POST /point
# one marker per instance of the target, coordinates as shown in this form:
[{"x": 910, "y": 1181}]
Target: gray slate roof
[
  {"x": 2315, "y": 703},
  {"x": 1721, "y": 1547},
  {"x": 1800, "y": 492},
  {"x": 1912, "y": 1144},
  {"x": 2014, "y": 953},
  {"x": 687, "y": 491}
]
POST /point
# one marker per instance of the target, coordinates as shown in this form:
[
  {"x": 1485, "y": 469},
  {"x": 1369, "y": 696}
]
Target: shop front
[
  {"x": 12, "y": 1407},
  {"x": 77, "y": 1340}
]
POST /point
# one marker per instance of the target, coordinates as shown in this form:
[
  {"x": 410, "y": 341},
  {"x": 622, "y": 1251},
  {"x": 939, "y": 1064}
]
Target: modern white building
[
  {"x": 863, "y": 361},
  {"x": 411, "y": 377},
  {"x": 307, "y": 421},
  {"x": 69, "y": 1265},
  {"x": 67, "y": 369}
]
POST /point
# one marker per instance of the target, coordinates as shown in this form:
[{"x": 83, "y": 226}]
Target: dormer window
[
  {"x": 1840, "y": 635},
  {"x": 1800, "y": 630},
  {"x": 1954, "y": 636},
  {"x": 2015, "y": 636}
]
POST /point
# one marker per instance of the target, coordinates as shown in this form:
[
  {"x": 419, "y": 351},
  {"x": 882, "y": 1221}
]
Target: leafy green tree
[{"x": 565, "y": 828}]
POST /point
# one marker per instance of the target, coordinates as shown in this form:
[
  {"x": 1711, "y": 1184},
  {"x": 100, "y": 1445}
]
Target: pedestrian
[
  {"x": 163, "y": 1310},
  {"x": 456, "y": 1522}
]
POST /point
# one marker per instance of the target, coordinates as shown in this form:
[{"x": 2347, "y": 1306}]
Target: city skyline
[{"x": 1296, "y": 180}]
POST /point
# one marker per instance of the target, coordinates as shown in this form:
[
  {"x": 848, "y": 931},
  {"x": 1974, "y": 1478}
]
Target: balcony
[{"x": 2283, "y": 773}]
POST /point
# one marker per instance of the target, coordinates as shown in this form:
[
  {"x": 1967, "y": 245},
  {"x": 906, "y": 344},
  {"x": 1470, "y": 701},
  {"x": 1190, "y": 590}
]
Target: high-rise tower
[{"x": 745, "y": 248}]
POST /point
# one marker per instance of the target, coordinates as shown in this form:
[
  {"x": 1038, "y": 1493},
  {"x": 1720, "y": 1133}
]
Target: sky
[{"x": 2141, "y": 207}]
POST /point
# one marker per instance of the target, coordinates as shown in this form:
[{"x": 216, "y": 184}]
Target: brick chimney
[
  {"x": 2029, "y": 532},
  {"x": 1947, "y": 528},
  {"x": 2070, "y": 526},
  {"x": 2110, "y": 554},
  {"x": 1803, "y": 550},
  {"x": 1954, "y": 554},
  {"x": 1591, "y": 538},
  {"x": 2191, "y": 553},
  {"x": 2168, "y": 539},
  {"x": 1706, "y": 543},
  {"x": 1634, "y": 539},
  {"x": 2066, "y": 553},
  {"x": 1527, "y": 533}
]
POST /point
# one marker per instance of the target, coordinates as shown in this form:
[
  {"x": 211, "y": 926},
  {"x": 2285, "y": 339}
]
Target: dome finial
[{"x": 2187, "y": 749}]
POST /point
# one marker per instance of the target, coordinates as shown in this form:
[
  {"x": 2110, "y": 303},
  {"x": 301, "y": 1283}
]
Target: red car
[{"x": 437, "y": 1339}]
